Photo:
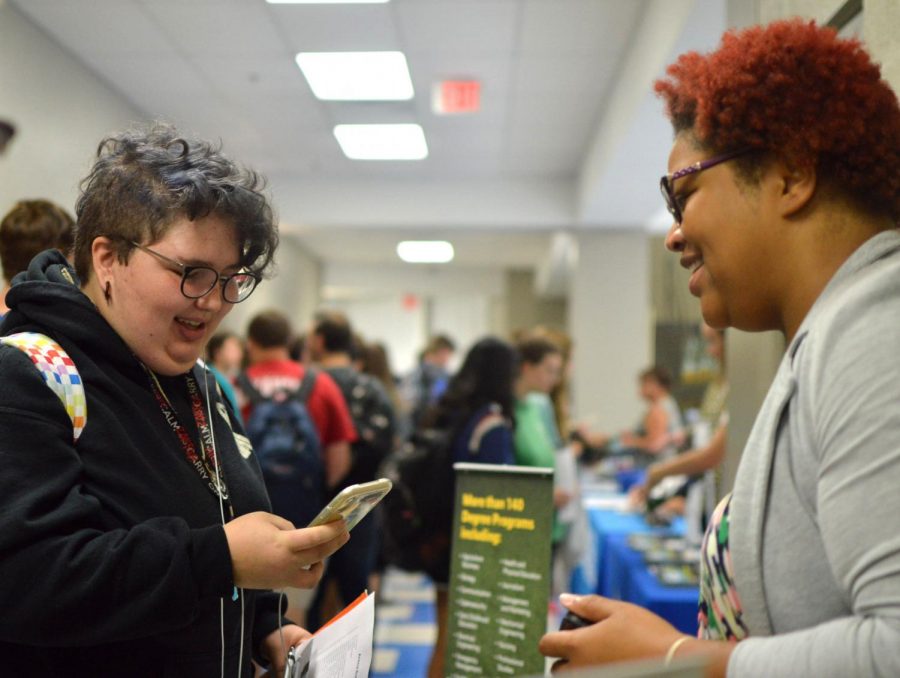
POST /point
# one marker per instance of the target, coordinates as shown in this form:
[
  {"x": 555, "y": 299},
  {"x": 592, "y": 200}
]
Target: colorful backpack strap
[{"x": 59, "y": 373}]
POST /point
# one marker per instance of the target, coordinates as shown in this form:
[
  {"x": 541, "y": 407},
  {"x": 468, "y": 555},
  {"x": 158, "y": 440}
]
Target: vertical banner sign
[{"x": 499, "y": 570}]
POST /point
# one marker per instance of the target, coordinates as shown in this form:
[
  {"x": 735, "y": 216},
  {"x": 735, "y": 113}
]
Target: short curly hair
[
  {"x": 145, "y": 179},
  {"x": 795, "y": 90}
]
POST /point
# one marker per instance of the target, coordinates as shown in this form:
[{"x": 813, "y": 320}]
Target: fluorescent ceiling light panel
[
  {"x": 382, "y": 142},
  {"x": 326, "y": 2},
  {"x": 425, "y": 251},
  {"x": 357, "y": 76}
]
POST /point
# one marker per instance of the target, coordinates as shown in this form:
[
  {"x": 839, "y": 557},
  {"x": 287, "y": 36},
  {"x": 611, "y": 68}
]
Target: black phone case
[{"x": 573, "y": 621}]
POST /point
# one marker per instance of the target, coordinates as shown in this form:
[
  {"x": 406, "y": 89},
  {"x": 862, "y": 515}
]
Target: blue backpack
[{"x": 287, "y": 448}]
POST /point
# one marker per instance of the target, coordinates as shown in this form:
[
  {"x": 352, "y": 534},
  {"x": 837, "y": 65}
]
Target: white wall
[
  {"x": 881, "y": 20},
  {"x": 404, "y": 328},
  {"x": 400, "y": 327},
  {"x": 820, "y": 10},
  {"x": 466, "y": 318},
  {"x": 403, "y": 305},
  {"x": 294, "y": 290},
  {"x": 60, "y": 110},
  {"x": 611, "y": 326}
]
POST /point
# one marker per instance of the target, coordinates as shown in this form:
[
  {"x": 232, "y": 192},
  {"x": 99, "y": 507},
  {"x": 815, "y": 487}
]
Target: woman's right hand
[
  {"x": 267, "y": 552},
  {"x": 637, "y": 497}
]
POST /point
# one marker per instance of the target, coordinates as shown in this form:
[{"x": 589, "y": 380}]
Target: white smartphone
[{"x": 353, "y": 503}]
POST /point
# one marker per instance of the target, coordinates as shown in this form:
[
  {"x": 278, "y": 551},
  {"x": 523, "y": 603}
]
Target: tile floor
[{"x": 404, "y": 625}]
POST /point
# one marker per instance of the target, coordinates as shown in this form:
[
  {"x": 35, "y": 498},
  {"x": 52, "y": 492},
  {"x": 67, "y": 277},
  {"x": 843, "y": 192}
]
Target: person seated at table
[
  {"x": 784, "y": 187},
  {"x": 690, "y": 463},
  {"x": 709, "y": 453},
  {"x": 660, "y": 430}
]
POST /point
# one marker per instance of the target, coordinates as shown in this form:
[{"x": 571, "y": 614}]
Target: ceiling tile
[
  {"x": 476, "y": 27},
  {"x": 278, "y": 111},
  {"x": 227, "y": 28},
  {"x": 248, "y": 75},
  {"x": 578, "y": 77},
  {"x": 577, "y": 26},
  {"x": 335, "y": 28},
  {"x": 166, "y": 83},
  {"x": 540, "y": 121},
  {"x": 110, "y": 27},
  {"x": 361, "y": 112},
  {"x": 542, "y": 162}
]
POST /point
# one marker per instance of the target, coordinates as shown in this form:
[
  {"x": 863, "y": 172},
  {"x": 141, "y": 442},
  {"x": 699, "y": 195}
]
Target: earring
[{"x": 106, "y": 293}]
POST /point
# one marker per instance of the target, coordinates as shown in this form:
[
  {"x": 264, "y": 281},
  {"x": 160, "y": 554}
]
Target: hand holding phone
[{"x": 353, "y": 503}]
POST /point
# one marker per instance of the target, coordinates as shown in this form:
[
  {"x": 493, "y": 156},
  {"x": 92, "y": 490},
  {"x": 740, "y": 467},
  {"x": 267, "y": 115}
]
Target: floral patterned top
[{"x": 720, "y": 616}]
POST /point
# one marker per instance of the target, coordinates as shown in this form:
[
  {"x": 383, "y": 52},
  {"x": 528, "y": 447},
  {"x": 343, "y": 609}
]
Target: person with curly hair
[
  {"x": 784, "y": 187},
  {"x": 135, "y": 531}
]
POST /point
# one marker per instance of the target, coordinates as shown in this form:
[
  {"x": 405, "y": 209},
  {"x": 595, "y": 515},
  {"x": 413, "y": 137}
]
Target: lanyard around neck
[{"x": 204, "y": 463}]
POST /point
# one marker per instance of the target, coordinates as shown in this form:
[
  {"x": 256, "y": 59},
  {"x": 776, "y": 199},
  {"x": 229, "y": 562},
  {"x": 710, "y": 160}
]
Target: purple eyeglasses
[{"x": 667, "y": 181}]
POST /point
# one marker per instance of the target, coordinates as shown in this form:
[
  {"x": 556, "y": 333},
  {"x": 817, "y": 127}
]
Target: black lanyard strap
[{"x": 204, "y": 463}]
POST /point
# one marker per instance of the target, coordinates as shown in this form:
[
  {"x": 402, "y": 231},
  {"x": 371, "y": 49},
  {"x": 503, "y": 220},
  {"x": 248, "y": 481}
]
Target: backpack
[
  {"x": 58, "y": 371},
  {"x": 373, "y": 418},
  {"x": 287, "y": 448},
  {"x": 417, "y": 513}
]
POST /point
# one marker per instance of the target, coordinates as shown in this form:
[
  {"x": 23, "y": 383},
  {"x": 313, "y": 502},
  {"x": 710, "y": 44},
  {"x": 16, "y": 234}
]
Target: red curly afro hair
[{"x": 796, "y": 89}]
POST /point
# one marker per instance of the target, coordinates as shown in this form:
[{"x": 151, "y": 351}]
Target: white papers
[
  {"x": 340, "y": 649},
  {"x": 566, "y": 479},
  {"x": 618, "y": 502}
]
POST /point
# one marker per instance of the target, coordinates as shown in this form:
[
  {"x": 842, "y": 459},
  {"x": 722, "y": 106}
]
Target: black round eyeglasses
[{"x": 198, "y": 281}]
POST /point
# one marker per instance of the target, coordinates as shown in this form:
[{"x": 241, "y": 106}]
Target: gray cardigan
[{"x": 815, "y": 514}]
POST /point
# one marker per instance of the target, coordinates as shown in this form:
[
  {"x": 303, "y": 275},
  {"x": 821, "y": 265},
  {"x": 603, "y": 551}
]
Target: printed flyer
[{"x": 500, "y": 570}]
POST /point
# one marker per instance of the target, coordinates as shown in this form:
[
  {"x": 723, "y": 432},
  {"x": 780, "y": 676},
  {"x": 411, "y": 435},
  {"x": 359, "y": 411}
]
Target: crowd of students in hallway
[
  {"x": 506, "y": 404},
  {"x": 497, "y": 408}
]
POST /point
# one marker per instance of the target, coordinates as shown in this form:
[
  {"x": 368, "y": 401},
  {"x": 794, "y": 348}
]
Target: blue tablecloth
[
  {"x": 606, "y": 523},
  {"x": 629, "y": 579},
  {"x": 621, "y": 572}
]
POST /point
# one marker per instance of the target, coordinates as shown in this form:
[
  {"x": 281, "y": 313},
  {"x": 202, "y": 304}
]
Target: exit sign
[{"x": 456, "y": 96}]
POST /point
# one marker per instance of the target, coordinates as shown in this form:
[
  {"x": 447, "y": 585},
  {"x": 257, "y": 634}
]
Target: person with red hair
[{"x": 784, "y": 187}]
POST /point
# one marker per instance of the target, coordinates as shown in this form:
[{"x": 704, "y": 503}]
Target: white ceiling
[{"x": 569, "y": 135}]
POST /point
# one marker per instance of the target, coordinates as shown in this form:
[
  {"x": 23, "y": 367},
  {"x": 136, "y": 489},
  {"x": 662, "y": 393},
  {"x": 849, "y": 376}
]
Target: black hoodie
[{"x": 113, "y": 560}]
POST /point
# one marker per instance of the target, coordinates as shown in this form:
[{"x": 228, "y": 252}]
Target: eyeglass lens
[
  {"x": 198, "y": 281},
  {"x": 239, "y": 287},
  {"x": 671, "y": 204}
]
